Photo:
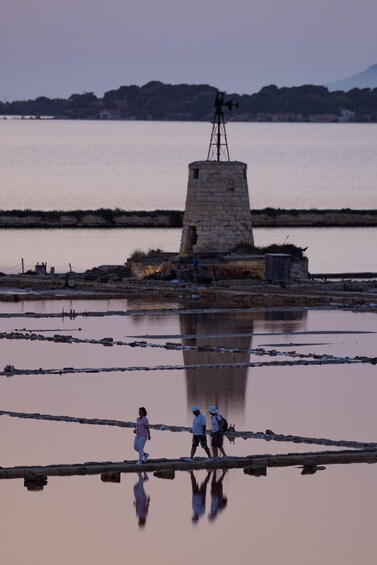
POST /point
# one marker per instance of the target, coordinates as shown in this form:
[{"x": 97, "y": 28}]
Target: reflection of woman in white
[
  {"x": 141, "y": 500},
  {"x": 142, "y": 434}
]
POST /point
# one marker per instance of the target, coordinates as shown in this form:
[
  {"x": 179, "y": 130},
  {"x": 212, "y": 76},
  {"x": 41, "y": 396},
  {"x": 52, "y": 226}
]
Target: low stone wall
[
  {"x": 314, "y": 218},
  {"x": 90, "y": 219},
  {"x": 19, "y": 219}
]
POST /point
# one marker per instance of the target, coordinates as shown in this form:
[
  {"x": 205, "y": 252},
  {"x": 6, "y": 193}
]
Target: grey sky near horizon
[{"x": 55, "y": 48}]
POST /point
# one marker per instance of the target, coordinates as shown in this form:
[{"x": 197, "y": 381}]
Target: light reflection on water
[
  {"x": 83, "y": 520},
  {"x": 224, "y": 387}
]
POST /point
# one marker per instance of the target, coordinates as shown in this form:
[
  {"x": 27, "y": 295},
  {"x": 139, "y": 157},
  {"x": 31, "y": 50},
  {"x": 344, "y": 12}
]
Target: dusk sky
[{"x": 56, "y": 48}]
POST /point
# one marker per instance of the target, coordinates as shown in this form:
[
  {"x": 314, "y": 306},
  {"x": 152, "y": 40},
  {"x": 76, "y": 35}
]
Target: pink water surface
[{"x": 282, "y": 518}]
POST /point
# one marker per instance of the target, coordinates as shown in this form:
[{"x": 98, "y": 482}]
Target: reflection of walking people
[
  {"x": 217, "y": 433},
  {"x": 218, "y": 500},
  {"x": 142, "y": 434},
  {"x": 198, "y": 497},
  {"x": 199, "y": 429},
  {"x": 141, "y": 499}
]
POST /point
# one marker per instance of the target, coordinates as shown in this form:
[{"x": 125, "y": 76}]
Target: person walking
[
  {"x": 199, "y": 430},
  {"x": 142, "y": 435},
  {"x": 217, "y": 433}
]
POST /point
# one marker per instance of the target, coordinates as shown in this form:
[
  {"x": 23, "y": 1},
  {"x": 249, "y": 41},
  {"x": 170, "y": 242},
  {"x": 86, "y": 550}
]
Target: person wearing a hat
[
  {"x": 217, "y": 423},
  {"x": 199, "y": 429}
]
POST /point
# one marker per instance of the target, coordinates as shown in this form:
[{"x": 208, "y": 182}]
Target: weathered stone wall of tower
[{"x": 217, "y": 213}]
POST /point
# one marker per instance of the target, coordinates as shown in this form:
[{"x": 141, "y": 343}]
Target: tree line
[{"x": 158, "y": 101}]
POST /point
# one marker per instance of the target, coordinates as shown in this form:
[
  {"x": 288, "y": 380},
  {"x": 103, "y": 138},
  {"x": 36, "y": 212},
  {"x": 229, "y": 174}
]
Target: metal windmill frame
[{"x": 218, "y": 146}]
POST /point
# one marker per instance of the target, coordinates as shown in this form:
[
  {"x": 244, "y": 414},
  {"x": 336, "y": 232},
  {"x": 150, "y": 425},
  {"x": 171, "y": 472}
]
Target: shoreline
[
  {"x": 120, "y": 219},
  {"x": 222, "y": 294}
]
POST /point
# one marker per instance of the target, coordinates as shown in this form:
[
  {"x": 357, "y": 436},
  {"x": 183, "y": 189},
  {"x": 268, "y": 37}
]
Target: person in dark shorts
[
  {"x": 199, "y": 429},
  {"x": 217, "y": 423}
]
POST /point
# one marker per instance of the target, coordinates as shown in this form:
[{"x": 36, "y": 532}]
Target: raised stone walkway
[
  {"x": 252, "y": 464},
  {"x": 35, "y": 477}
]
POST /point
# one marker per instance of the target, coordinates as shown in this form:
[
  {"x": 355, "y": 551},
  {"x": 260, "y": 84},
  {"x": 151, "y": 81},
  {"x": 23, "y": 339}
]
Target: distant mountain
[{"x": 366, "y": 79}]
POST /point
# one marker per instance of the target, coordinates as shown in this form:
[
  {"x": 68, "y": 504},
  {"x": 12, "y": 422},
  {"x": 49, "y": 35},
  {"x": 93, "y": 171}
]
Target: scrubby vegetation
[
  {"x": 275, "y": 212},
  {"x": 289, "y": 248},
  {"x": 112, "y": 218},
  {"x": 139, "y": 255},
  {"x": 174, "y": 218}
]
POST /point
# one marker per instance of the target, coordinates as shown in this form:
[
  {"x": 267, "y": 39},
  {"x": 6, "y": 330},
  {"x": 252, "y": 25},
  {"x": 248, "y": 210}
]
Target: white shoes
[
  {"x": 139, "y": 462},
  {"x": 146, "y": 455}
]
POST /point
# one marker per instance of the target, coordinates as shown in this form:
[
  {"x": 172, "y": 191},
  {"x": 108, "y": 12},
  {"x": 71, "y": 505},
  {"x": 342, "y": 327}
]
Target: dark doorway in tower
[{"x": 192, "y": 238}]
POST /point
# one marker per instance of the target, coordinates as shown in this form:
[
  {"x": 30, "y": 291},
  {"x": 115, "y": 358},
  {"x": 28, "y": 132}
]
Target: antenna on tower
[{"x": 218, "y": 145}]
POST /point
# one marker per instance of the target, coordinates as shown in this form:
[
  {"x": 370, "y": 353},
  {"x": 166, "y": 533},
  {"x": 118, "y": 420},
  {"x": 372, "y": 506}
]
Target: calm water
[
  {"x": 283, "y": 518},
  {"x": 330, "y": 250},
  {"x": 328, "y": 517},
  {"x": 143, "y": 165}
]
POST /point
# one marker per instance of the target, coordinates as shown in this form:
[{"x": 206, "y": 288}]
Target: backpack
[{"x": 225, "y": 425}]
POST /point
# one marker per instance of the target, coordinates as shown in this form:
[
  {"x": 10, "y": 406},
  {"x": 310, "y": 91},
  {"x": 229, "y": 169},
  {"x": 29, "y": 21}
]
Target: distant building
[
  {"x": 109, "y": 115},
  {"x": 346, "y": 116}
]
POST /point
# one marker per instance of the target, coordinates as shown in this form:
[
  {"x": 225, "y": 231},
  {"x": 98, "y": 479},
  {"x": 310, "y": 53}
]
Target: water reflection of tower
[{"x": 225, "y": 388}]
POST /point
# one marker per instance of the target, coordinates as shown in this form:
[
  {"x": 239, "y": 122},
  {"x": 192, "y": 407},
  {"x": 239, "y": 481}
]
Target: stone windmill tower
[{"x": 217, "y": 214}]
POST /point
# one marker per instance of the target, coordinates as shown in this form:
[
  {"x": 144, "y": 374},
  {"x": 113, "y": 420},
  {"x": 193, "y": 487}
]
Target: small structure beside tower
[{"x": 217, "y": 214}]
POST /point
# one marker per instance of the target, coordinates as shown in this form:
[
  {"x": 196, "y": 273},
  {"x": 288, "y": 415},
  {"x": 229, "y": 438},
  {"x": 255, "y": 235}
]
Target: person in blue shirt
[{"x": 199, "y": 429}]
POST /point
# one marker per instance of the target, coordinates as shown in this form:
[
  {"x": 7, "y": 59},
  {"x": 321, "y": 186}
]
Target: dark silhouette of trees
[{"x": 158, "y": 101}]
